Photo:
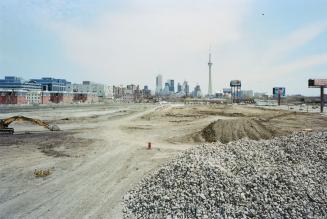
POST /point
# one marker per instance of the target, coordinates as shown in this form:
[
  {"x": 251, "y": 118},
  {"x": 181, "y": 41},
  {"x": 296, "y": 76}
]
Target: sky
[{"x": 263, "y": 43}]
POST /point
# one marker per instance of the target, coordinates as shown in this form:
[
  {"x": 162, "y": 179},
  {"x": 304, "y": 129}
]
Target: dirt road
[{"x": 97, "y": 166}]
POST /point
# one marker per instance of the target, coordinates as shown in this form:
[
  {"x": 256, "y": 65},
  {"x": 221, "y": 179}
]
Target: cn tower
[{"x": 210, "y": 83}]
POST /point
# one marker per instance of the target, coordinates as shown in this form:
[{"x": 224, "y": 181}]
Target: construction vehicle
[{"x": 4, "y": 123}]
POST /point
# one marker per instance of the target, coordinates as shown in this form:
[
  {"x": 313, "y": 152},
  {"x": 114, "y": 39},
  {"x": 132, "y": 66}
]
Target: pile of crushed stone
[{"x": 284, "y": 177}]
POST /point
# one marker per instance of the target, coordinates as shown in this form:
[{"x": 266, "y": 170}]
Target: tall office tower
[
  {"x": 210, "y": 82},
  {"x": 171, "y": 83},
  {"x": 197, "y": 91},
  {"x": 186, "y": 88},
  {"x": 179, "y": 87},
  {"x": 158, "y": 84},
  {"x": 166, "y": 89}
]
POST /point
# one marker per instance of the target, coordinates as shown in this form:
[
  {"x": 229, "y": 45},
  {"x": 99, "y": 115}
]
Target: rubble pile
[{"x": 285, "y": 177}]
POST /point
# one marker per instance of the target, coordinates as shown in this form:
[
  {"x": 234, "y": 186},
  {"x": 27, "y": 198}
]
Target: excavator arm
[{"x": 4, "y": 123}]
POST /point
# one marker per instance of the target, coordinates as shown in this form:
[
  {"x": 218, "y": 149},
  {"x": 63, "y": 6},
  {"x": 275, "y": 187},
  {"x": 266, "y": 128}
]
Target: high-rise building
[
  {"x": 186, "y": 88},
  {"x": 171, "y": 83},
  {"x": 179, "y": 88},
  {"x": 197, "y": 91},
  {"x": 210, "y": 82},
  {"x": 166, "y": 89},
  {"x": 158, "y": 84},
  {"x": 146, "y": 92}
]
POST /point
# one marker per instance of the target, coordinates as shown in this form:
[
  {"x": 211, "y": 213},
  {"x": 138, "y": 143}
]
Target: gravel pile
[{"x": 285, "y": 177}]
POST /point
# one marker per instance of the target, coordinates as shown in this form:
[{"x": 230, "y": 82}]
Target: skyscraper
[
  {"x": 186, "y": 88},
  {"x": 158, "y": 84},
  {"x": 171, "y": 83},
  {"x": 166, "y": 89},
  {"x": 210, "y": 83},
  {"x": 179, "y": 87},
  {"x": 197, "y": 91}
]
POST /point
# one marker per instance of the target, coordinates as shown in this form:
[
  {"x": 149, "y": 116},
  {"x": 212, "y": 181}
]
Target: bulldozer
[{"x": 4, "y": 123}]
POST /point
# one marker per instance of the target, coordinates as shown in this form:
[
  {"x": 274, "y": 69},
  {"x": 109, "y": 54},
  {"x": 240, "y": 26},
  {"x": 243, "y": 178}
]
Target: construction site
[{"x": 162, "y": 161}]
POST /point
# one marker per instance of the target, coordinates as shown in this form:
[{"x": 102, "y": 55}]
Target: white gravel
[{"x": 285, "y": 177}]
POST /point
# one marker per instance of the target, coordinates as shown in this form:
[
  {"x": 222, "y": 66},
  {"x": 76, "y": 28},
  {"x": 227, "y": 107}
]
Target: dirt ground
[{"x": 101, "y": 151}]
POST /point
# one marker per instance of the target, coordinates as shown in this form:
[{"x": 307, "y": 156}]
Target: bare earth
[{"x": 101, "y": 151}]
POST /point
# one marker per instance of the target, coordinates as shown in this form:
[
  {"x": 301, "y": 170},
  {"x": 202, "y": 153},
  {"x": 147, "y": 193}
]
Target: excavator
[{"x": 4, "y": 123}]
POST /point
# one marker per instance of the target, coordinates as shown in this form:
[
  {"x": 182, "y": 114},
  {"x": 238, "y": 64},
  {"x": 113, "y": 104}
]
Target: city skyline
[{"x": 262, "y": 43}]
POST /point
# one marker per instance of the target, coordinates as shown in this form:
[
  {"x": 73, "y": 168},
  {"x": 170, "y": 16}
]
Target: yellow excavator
[{"x": 4, "y": 123}]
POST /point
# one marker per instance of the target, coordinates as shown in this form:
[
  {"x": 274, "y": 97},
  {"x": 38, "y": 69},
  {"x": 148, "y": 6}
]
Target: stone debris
[{"x": 285, "y": 177}]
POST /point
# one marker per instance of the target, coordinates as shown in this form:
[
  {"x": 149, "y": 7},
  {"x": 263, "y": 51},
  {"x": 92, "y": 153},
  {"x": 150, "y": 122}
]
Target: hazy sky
[{"x": 121, "y": 42}]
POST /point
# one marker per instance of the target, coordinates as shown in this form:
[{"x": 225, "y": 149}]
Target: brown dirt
[
  {"x": 54, "y": 144},
  {"x": 260, "y": 127},
  {"x": 234, "y": 129}
]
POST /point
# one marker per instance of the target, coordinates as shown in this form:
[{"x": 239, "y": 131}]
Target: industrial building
[
  {"x": 15, "y": 90},
  {"x": 52, "y": 84},
  {"x": 17, "y": 83}
]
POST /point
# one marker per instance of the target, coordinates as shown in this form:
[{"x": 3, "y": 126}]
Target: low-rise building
[
  {"x": 15, "y": 90},
  {"x": 246, "y": 93},
  {"x": 100, "y": 90}
]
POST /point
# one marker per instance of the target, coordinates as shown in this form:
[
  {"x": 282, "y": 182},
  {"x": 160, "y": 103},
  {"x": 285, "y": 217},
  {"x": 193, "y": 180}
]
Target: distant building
[
  {"x": 246, "y": 93},
  {"x": 15, "y": 90},
  {"x": 166, "y": 90},
  {"x": 52, "y": 84},
  {"x": 219, "y": 95},
  {"x": 227, "y": 92},
  {"x": 259, "y": 94},
  {"x": 179, "y": 88},
  {"x": 171, "y": 83},
  {"x": 197, "y": 91},
  {"x": 119, "y": 91},
  {"x": 146, "y": 92},
  {"x": 110, "y": 94},
  {"x": 130, "y": 89},
  {"x": 158, "y": 85},
  {"x": 16, "y": 83},
  {"x": 186, "y": 88},
  {"x": 100, "y": 90}
]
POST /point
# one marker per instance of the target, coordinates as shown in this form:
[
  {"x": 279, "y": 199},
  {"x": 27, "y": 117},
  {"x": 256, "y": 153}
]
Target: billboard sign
[
  {"x": 317, "y": 82},
  {"x": 279, "y": 91},
  {"x": 235, "y": 83}
]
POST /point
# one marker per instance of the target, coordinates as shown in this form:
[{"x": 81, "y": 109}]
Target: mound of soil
[{"x": 234, "y": 129}]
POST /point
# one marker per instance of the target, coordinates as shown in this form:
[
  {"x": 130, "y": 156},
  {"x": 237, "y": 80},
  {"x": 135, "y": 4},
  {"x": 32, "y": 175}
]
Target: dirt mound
[{"x": 234, "y": 129}]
